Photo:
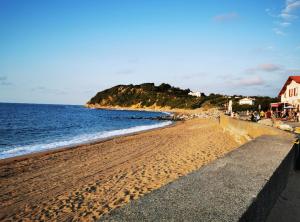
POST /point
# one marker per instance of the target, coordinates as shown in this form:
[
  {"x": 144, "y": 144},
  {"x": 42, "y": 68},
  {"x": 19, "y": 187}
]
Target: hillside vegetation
[
  {"x": 148, "y": 95},
  {"x": 145, "y": 95}
]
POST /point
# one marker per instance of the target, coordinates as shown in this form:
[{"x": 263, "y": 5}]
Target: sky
[{"x": 64, "y": 51}]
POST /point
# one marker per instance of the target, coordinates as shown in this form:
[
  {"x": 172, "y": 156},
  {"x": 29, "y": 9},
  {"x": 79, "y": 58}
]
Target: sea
[{"x": 29, "y": 128}]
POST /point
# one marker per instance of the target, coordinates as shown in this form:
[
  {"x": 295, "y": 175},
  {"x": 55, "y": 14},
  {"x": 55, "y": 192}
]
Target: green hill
[{"x": 146, "y": 95}]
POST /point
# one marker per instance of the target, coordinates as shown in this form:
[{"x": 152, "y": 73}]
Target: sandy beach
[{"x": 85, "y": 182}]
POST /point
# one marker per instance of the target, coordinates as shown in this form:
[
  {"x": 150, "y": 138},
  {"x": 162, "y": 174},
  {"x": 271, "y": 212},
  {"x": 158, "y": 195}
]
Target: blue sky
[{"x": 65, "y": 51}]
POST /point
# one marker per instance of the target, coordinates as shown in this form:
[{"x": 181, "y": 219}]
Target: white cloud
[
  {"x": 277, "y": 31},
  {"x": 250, "y": 81},
  {"x": 273, "y": 68},
  {"x": 291, "y": 6},
  {"x": 292, "y": 72},
  {"x": 226, "y": 17},
  {"x": 268, "y": 67},
  {"x": 265, "y": 67},
  {"x": 285, "y": 16},
  {"x": 269, "y": 12},
  {"x": 284, "y": 24},
  {"x": 264, "y": 49},
  {"x": 4, "y": 82},
  {"x": 270, "y": 48}
]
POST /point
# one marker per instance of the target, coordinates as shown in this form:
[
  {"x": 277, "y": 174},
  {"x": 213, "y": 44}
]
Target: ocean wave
[{"x": 81, "y": 139}]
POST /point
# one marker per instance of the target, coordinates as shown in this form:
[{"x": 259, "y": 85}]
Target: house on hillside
[
  {"x": 198, "y": 94},
  {"x": 246, "y": 101},
  {"x": 290, "y": 92}
]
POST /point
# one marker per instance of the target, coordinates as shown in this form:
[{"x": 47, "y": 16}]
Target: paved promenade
[{"x": 243, "y": 185}]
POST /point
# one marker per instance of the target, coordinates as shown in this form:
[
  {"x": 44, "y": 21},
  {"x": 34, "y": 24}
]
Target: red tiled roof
[{"x": 288, "y": 81}]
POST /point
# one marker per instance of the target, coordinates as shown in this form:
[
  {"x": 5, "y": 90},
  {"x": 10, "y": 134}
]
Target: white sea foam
[{"x": 78, "y": 140}]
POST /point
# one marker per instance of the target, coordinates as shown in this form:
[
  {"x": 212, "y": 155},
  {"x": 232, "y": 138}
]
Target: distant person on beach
[
  {"x": 295, "y": 117},
  {"x": 253, "y": 117},
  {"x": 283, "y": 114},
  {"x": 262, "y": 114},
  {"x": 257, "y": 117},
  {"x": 232, "y": 114},
  {"x": 268, "y": 114}
]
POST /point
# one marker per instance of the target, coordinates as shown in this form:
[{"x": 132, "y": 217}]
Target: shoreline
[
  {"x": 173, "y": 116},
  {"x": 147, "y": 109},
  {"x": 90, "y": 180},
  {"x": 129, "y": 108},
  {"x": 76, "y": 146}
]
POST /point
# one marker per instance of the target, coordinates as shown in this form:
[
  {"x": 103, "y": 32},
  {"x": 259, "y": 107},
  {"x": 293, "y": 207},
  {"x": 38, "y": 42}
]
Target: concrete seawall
[
  {"x": 241, "y": 186},
  {"x": 244, "y": 131},
  {"x": 287, "y": 205}
]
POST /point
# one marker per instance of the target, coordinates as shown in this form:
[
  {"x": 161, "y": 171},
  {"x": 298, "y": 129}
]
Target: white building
[
  {"x": 198, "y": 94},
  {"x": 246, "y": 101},
  {"x": 290, "y": 91}
]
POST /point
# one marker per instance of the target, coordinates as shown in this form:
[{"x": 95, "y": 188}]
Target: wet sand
[{"x": 85, "y": 182}]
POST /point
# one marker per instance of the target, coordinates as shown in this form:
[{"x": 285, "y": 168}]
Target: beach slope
[{"x": 90, "y": 180}]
